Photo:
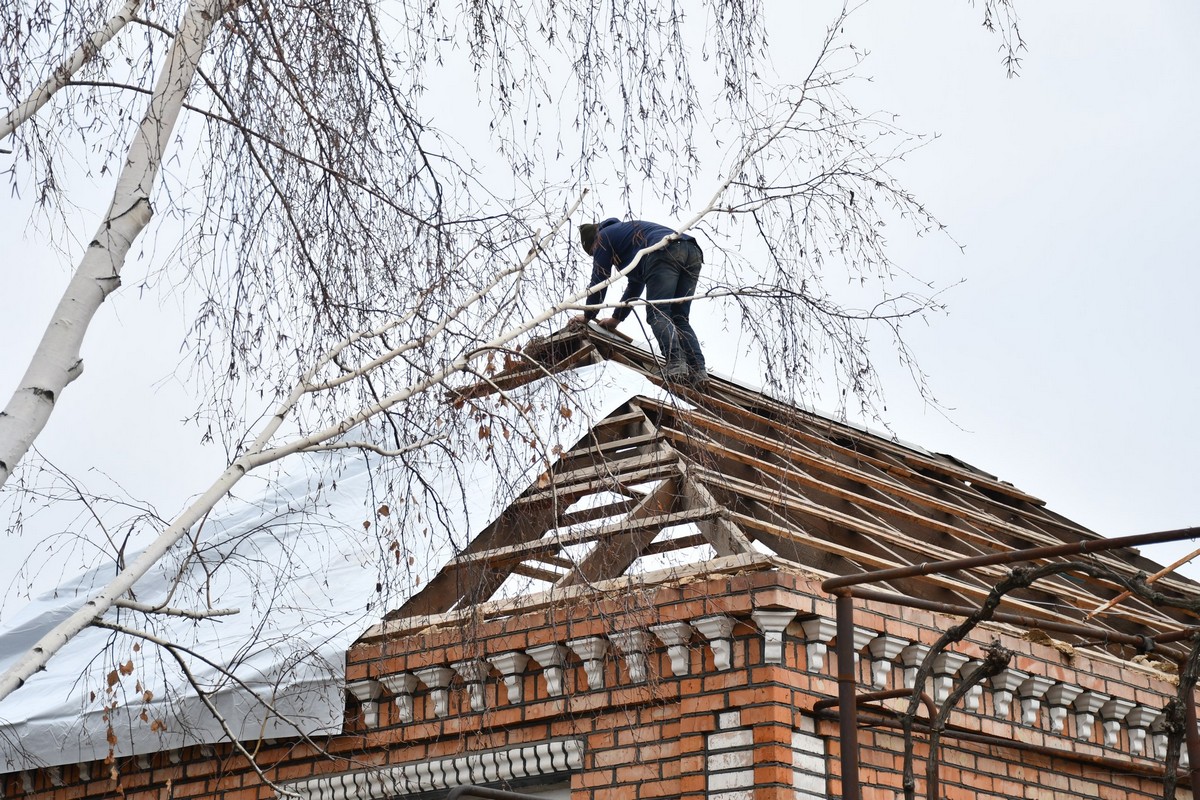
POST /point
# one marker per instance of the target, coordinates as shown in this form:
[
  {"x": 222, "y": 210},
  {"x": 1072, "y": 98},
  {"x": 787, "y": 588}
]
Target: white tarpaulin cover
[{"x": 310, "y": 565}]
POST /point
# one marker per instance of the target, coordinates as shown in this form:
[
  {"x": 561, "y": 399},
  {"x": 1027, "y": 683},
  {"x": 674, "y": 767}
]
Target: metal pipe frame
[
  {"x": 832, "y": 585},
  {"x": 978, "y": 737},
  {"x": 841, "y": 588},
  {"x": 1076, "y": 629},
  {"x": 825, "y": 706}
]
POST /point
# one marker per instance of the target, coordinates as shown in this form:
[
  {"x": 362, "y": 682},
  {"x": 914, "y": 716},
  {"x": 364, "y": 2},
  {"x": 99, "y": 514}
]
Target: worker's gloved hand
[
  {"x": 577, "y": 321},
  {"x": 609, "y": 323}
]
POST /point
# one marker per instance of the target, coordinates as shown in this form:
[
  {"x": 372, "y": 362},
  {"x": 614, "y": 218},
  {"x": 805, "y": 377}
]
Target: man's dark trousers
[{"x": 671, "y": 273}]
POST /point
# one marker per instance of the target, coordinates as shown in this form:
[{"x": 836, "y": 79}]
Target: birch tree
[{"x": 331, "y": 228}]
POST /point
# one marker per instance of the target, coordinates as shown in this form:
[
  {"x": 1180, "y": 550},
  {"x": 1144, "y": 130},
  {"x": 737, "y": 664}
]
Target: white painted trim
[{"x": 546, "y": 759}]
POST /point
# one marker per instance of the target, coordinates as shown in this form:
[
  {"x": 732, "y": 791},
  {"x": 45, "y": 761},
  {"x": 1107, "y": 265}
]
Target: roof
[
  {"x": 629, "y": 476},
  {"x": 728, "y": 470}
]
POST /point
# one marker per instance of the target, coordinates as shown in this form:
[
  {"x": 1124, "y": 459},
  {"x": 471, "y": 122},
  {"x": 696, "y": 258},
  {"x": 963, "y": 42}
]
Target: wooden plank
[
  {"x": 913, "y": 517},
  {"x": 530, "y": 571},
  {"x": 597, "y": 512},
  {"x": 804, "y": 507},
  {"x": 398, "y": 624},
  {"x": 672, "y": 545},
  {"x": 944, "y": 581},
  {"x": 605, "y": 481},
  {"x": 612, "y": 557},
  {"x": 873, "y": 441},
  {"x": 553, "y": 544},
  {"x": 722, "y": 534}
]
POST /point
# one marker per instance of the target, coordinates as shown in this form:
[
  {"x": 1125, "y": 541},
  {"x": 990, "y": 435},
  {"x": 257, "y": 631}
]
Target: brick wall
[{"x": 719, "y": 706}]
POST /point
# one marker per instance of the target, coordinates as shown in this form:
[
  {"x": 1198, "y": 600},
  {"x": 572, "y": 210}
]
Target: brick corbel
[
  {"x": 912, "y": 657},
  {"x": 718, "y": 629},
  {"x": 553, "y": 660},
  {"x": 591, "y": 651},
  {"x": 474, "y": 672},
  {"x": 1086, "y": 706},
  {"x": 1112, "y": 714},
  {"x": 773, "y": 622},
  {"x": 945, "y": 666},
  {"x": 676, "y": 635},
  {"x": 1004, "y": 685},
  {"x": 883, "y": 650},
  {"x": 975, "y": 693},
  {"x": 1031, "y": 691},
  {"x": 632, "y": 646},
  {"x": 401, "y": 685},
  {"x": 1139, "y": 720},
  {"x": 367, "y": 692},
  {"x": 818, "y": 632},
  {"x": 511, "y": 667},
  {"x": 437, "y": 679}
]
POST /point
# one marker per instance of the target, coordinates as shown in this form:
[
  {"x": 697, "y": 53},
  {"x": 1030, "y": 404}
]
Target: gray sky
[{"x": 1067, "y": 358}]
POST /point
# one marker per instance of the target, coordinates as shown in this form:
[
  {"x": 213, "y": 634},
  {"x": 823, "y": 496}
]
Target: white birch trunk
[
  {"x": 57, "y": 361},
  {"x": 42, "y": 94}
]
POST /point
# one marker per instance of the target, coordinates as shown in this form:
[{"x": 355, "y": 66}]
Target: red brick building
[{"x": 675, "y": 639}]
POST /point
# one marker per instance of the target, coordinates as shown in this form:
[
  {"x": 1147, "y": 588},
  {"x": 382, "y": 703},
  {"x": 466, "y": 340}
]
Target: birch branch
[
  {"x": 56, "y": 362},
  {"x": 374, "y": 448},
  {"x": 234, "y": 738},
  {"x": 92, "y": 610},
  {"x": 258, "y": 454},
  {"x": 167, "y": 611},
  {"x": 65, "y": 71}
]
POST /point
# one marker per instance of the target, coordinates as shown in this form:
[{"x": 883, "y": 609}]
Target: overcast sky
[{"x": 1067, "y": 358}]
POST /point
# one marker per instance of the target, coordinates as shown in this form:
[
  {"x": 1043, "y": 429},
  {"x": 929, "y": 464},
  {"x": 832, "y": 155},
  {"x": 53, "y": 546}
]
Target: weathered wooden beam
[{"x": 555, "y": 542}]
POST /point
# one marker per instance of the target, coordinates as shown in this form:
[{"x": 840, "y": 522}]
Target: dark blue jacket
[{"x": 616, "y": 245}]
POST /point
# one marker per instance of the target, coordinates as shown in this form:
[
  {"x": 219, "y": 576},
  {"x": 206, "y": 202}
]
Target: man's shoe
[
  {"x": 698, "y": 378},
  {"x": 675, "y": 371}
]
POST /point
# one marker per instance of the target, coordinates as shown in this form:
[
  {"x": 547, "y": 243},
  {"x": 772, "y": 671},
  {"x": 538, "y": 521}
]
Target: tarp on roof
[{"x": 310, "y": 565}]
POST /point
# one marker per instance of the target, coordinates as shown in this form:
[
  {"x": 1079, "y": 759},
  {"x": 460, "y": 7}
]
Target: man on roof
[{"x": 668, "y": 275}]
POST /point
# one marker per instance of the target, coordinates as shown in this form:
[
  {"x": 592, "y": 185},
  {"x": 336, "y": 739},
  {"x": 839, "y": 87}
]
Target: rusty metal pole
[
  {"x": 847, "y": 679},
  {"x": 1097, "y": 545},
  {"x": 1193, "y": 744}
]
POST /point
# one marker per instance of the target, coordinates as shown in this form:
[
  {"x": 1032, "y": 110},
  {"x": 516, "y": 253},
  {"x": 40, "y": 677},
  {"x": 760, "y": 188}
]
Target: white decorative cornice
[
  {"x": 773, "y": 622},
  {"x": 912, "y": 657},
  {"x": 591, "y": 651},
  {"x": 718, "y": 629},
  {"x": 1058, "y": 698},
  {"x": 676, "y": 635},
  {"x": 546, "y": 759},
  {"x": 1031, "y": 691},
  {"x": 883, "y": 650},
  {"x": 401, "y": 685},
  {"x": 474, "y": 672},
  {"x": 632, "y": 646},
  {"x": 1087, "y": 705},
  {"x": 511, "y": 667},
  {"x": 1139, "y": 721},
  {"x": 437, "y": 679},
  {"x": 1112, "y": 714},
  {"x": 818, "y": 631},
  {"x": 367, "y": 692},
  {"x": 945, "y": 666},
  {"x": 553, "y": 660},
  {"x": 1004, "y": 684}
]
